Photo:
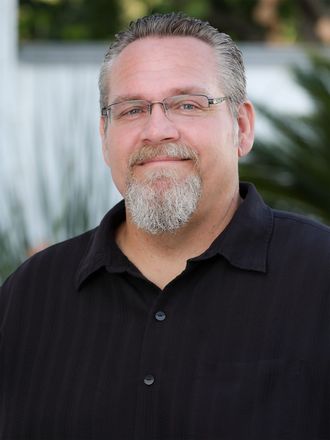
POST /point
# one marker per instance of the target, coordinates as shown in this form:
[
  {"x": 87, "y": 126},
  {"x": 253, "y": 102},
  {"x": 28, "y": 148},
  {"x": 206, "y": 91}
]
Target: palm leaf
[{"x": 292, "y": 170}]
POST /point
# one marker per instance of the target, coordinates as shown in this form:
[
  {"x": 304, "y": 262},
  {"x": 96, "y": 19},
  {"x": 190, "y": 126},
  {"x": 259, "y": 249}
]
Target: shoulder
[
  {"x": 54, "y": 270},
  {"x": 306, "y": 237},
  {"x": 50, "y": 262},
  {"x": 297, "y": 223},
  {"x": 44, "y": 278}
]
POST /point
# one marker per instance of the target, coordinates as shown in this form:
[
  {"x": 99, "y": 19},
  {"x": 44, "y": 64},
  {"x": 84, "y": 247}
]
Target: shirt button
[
  {"x": 149, "y": 379},
  {"x": 160, "y": 315}
]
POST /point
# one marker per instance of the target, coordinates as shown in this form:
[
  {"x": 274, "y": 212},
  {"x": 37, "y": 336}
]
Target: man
[{"x": 193, "y": 311}]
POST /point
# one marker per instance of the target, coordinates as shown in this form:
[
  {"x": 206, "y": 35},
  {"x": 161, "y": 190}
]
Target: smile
[{"x": 162, "y": 159}]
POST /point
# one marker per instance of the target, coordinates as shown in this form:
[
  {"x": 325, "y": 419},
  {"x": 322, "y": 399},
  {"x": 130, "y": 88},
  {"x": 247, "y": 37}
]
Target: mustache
[{"x": 171, "y": 149}]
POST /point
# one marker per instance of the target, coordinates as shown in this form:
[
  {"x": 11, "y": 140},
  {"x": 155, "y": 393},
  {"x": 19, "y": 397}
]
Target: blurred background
[{"x": 53, "y": 181}]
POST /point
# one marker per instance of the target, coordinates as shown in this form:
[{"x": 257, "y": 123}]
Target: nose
[{"x": 158, "y": 128}]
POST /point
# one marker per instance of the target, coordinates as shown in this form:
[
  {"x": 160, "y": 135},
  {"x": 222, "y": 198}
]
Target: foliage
[
  {"x": 15, "y": 245},
  {"x": 292, "y": 170},
  {"x": 252, "y": 20},
  {"x": 74, "y": 217},
  {"x": 68, "y": 19},
  {"x": 12, "y": 246}
]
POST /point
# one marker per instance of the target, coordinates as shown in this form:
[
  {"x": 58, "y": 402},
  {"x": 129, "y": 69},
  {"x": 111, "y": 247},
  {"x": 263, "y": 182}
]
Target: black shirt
[{"x": 236, "y": 347}]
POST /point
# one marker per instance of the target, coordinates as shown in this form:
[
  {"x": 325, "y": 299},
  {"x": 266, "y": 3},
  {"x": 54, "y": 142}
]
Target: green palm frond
[{"x": 293, "y": 170}]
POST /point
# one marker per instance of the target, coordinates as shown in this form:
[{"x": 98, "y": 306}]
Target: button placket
[
  {"x": 151, "y": 363},
  {"x": 149, "y": 378}
]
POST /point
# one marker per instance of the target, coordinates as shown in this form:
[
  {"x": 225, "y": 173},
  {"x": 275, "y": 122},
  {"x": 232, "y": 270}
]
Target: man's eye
[
  {"x": 188, "y": 106},
  {"x": 132, "y": 112}
]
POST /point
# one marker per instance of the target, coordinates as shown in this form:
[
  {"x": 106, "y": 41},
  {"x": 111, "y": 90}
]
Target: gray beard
[{"x": 162, "y": 202}]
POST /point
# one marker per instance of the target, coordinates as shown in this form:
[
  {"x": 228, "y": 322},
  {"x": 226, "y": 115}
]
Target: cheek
[
  {"x": 114, "y": 156},
  {"x": 218, "y": 155}
]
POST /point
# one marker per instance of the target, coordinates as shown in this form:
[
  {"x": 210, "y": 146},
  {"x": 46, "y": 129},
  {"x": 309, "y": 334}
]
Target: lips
[
  {"x": 161, "y": 159},
  {"x": 171, "y": 152}
]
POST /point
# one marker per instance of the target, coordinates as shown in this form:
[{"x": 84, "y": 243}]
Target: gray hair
[{"x": 230, "y": 62}]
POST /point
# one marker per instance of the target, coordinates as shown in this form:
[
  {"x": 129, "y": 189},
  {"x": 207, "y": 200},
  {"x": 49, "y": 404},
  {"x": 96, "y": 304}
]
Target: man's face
[{"x": 153, "y": 69}]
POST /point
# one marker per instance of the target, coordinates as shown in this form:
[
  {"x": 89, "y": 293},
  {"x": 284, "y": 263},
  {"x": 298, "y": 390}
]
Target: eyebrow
[
  {"x": 121, "y": 98},
  {"x": 173, "y": 92}
]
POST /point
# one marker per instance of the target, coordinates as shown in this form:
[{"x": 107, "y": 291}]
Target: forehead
[{"x": 152, "y": 67}]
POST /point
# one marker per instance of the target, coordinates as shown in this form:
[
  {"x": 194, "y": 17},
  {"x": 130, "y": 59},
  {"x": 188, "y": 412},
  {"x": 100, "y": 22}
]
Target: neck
[{"x": 171, "y": 250}]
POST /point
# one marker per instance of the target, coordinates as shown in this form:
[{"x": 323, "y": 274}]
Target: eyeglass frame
[{"x": 106, "y": 111}]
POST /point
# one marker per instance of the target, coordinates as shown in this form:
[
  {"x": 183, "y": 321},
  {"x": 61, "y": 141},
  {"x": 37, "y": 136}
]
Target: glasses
[{"x": 174, "y": 107}]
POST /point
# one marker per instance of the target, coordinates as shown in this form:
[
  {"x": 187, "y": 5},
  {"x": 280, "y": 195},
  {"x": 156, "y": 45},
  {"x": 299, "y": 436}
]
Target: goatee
[{"x": 163, "y": 201}]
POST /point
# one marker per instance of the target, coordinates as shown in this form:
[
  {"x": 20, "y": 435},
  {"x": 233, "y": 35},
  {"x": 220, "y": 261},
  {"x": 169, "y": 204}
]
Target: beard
[{"x": 163, "y": 201}]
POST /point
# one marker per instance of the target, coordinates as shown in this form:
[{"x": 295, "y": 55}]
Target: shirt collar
[
  {"x": 102, "y": 250},
  {"x": 244, "y": 243}
]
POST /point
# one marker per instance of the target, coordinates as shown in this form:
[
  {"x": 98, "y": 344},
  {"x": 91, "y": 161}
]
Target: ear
[
  {"x": 103, "y": 134},
  {"x": 245, "y": 120}
]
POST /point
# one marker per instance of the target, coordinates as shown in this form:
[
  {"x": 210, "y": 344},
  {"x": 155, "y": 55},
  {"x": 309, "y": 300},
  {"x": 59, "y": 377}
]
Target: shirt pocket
[{"x": 256, "y": 399}]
